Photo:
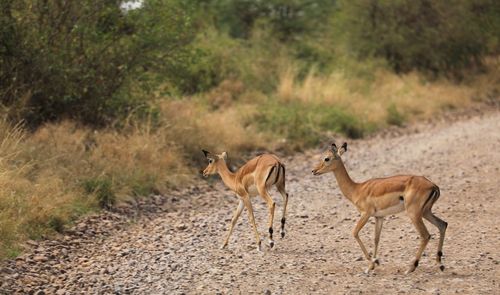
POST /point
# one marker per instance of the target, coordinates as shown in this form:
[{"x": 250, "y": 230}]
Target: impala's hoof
[
  {"x": 441, "y": 267},
  {"x": 376, "y": 261},
  {"x": 271, "y": 243},
  {"x": 259, "y": 248},
  {"x": 410, "y": 270},
  {"x": 223, "y": 246},
  {"x": 282, "y": 234}
]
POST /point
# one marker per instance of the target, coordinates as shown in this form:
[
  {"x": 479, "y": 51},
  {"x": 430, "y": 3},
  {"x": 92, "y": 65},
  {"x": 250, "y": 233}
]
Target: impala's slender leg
[
  {"x": 284, "y": 194},
  {"x": 424, "y": 239},
  {"x": 441, "y": 225},
  {"x": 379, "y": 221},
  {"x": 236, "y": 215},
  {"x": 248, "y": 204},
  {"x": 361, "y": 223},
  {"x": 271, "y": 205}
]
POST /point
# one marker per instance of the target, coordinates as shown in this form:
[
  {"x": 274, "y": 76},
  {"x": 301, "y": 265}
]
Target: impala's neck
[
  {"x": 226, "y": 175},
  {"x": 347, "y": 186}
]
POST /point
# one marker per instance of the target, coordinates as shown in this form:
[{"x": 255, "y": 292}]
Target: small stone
[
  {"x": 40, "y": 258},
  {"x": 181, "y": 226}
]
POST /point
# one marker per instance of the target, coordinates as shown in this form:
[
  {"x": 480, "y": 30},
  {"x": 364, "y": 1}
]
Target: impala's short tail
[{"x": 433, "y": 197}]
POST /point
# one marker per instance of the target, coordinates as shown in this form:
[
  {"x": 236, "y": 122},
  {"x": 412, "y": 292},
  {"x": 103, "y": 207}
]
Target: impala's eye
[
  {"x": 210, "y": 161},
  {"x": 327, "y": 159}
]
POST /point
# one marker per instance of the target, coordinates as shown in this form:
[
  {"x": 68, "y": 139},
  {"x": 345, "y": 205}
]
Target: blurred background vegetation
[{"x": 101, "y": 103}]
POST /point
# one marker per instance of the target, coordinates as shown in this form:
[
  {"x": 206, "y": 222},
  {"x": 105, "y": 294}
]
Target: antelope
[
  {"x": 255, "y": 177},
  {"x": 380, "y": 197}
]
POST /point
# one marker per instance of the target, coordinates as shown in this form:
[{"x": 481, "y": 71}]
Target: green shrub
[
  {"x": 394, "y": 117},
  {"x": 306, "y": 124},
  {"x": 431, "y": 36},
  {"x": 71, "y": 61},
  {"x": 102, "y": 189}
]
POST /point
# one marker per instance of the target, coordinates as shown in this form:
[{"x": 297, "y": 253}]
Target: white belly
[{"x": 390, "y": 210}]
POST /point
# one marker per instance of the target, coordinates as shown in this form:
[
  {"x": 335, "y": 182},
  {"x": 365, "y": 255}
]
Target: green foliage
[
  {"x": 70, "y": 59},
  {"x": 102, "y": 189},
  {"x": 305, "y": 125},
  {"x": 289, "y": 20},
  {"x": 56, "y": 223},
  {"x": 432, "y": 36},
  {"x": 394, "y": 117}
]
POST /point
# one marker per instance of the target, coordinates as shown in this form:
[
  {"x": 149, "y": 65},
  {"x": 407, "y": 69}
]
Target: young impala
[
  {"x": 380, "y": 197},
  {"x": 253, "y": 178}
]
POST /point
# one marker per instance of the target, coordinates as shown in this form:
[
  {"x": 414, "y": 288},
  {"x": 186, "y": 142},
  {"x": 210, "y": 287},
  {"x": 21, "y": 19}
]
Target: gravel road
[{"x": 177, "y": 251}]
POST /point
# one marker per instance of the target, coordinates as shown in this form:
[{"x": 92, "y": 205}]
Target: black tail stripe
[
  {"x": 270, "y": 172},
  {"x": 277, "y": 173},
  {"x": 434, "y": 193},
  {"x": 283, "y": 167}
]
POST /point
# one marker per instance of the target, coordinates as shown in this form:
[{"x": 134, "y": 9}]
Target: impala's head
[
  {"x": 330, "y": 159},
  {"x": 212, "y": 162}
]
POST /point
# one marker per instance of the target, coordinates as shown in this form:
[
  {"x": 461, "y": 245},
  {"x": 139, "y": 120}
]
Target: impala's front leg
[
  {"x": 379, "y": 221},
  {"x": 236, "y": 215},
  {"x": 361, "y": 223},
  {"x": 248, "y": 204}
]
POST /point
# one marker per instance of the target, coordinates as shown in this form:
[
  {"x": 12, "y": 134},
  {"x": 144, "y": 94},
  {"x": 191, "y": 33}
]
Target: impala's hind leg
[
  {"x": 284, "y": 195},
  {"x": 441, "y": 225},
  {"x": 271, "y": 206},
  {"x": 424, "y": 239}
]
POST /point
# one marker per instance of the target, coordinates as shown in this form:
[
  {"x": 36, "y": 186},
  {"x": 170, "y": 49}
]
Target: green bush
[
  {"x": 394, "y": 117},
  {"x": 437, "y": 37},
  {"x": 72, "y": 60},
  {"x": 103, "y": 191},
  {"x": 306, "y": 125}
]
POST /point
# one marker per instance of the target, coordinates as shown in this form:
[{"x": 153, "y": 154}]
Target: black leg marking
[
  {"x": 283, "y": 227},
  {"x": 416, "y": 263},
  {"x": 271, "y": 232},
  {"x": 440, "y": 253},
  {"x": 441, "y": 267}
]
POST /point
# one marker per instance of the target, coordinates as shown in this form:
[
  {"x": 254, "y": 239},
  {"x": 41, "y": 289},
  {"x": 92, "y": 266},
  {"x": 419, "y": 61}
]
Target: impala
[
  {"x": 255, "y": 177},
  {"x": 380, "y": 197}
]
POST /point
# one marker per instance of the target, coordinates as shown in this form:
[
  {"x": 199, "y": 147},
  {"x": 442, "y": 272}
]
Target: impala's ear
[
  {"x": 333, "y": 147},
  {"x": 206, "y": 153},
  {"x": 224, "y": 156},
  {"x": 343, "y": 149}
]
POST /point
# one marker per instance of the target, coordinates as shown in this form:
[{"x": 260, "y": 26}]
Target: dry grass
[
  {"x": 411, "y": 94},
  {"x": 52, "y": 176}
]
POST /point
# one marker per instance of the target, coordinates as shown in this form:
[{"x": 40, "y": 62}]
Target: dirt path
[{"x": 178, "y": 252}]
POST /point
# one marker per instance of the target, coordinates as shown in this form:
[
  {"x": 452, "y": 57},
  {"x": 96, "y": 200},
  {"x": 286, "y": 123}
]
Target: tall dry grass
[
  {"x": 63, "y": 170},
  {"x": 374, "y": 100}
]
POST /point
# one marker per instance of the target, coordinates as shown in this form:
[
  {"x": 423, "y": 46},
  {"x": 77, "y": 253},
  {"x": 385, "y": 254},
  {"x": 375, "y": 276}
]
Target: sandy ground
[{"x": 177, "y": 252}]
